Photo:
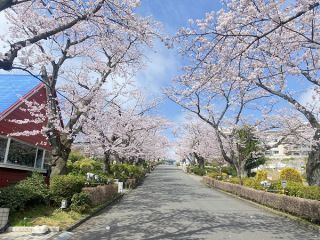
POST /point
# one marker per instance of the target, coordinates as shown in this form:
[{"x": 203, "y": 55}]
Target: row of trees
[
  {"x": 85, "y": 52},
  {"x": 250, "y": 64},
  {"x": 197, "y": 143}
]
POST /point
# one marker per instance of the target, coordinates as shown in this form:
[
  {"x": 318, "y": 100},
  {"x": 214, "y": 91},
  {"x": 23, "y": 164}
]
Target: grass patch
[
  {"x": 51, "y": 216},
  {"x": 44, "y": 215}
]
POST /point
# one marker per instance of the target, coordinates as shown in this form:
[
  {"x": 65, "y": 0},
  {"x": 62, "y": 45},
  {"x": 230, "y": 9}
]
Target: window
[
  {"x": 39, "y": 158},
  {"x": 47, "y": 160},
  {"x": 21, "y": 154},
  {"x": 3, "y": 147}
]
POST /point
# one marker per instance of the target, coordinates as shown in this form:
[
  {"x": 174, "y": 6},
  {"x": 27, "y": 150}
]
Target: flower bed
[{"x": 305, "y": 208}]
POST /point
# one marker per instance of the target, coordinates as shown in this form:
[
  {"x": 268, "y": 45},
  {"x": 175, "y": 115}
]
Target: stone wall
[
  {"x": 101, "y": 194},
  {"x": 305, "y": 208}
]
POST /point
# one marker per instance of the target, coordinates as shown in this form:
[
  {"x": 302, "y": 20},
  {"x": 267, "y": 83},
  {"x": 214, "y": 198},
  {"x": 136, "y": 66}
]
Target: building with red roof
[{"x": 21, "y": 154}]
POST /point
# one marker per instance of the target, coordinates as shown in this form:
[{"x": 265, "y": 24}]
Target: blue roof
[{"x": 13, "y": 87}]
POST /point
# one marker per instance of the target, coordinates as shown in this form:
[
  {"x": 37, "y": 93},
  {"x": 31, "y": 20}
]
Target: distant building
[
  {"x": 20, "y": 155},
  {"x": 290, "y": 153}
]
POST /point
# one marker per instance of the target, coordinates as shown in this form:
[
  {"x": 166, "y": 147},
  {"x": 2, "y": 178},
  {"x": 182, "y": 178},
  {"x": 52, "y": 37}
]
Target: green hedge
[
  {"x": 294, "y": 189},
  {"x": 33, "y": 190},
  {"x": 65, "y": 186}
]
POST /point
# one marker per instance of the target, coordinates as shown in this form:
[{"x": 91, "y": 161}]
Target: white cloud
[
  {"x": 311, "y": 100},
  {"x": 161, "y": 66}
]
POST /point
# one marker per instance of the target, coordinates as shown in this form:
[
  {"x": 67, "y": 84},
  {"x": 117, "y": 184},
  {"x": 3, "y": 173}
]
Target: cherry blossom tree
[
  {"x": 220, "y": 104},
  {"x": 46, "y": 19},
  {"x": 130, "y": 135},
  {"x": 196, "y": 140},
  {"x": 271, "y": 44},
  {"x": 76, "y": 63}
]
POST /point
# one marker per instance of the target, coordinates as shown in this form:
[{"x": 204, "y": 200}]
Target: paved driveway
[{"x": 173, "y": 205}]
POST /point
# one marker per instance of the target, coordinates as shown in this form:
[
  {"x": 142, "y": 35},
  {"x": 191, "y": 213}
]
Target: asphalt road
[{"x": 173, "y": 205}]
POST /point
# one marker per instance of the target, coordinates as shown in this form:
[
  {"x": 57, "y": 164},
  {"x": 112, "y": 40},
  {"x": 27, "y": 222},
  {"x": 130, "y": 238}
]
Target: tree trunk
[
  {"x": 59, "y": 167},
  {"x": 313, "y": 164},
  {"x": 201, "y": 162},
  {"x": 59, "y": 160},
  {"x": 241, "y": 173},
  {"x": 106, "y": 162}
]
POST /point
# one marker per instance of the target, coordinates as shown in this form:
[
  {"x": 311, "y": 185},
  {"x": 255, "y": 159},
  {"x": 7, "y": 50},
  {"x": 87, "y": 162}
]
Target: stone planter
[{"x": 4, "y": 215}]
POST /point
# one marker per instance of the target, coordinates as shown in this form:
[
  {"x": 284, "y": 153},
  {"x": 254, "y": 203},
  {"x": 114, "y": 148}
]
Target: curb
[
  {"x": 104, "y": 206},
  {"x": 30, "y": 229},
  {"x": 298, "y": 220},
  {"x": 67, "y": 233}
]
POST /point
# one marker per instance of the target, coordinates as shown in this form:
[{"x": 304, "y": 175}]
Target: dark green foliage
[
  {"x": 36, "y": 187},
  {"x": 249, "y": 149},
  {"x": 28, "y": 192},
  {"x": 230, "y": 170},
  {"x": 80, "y": 202},
  {"x": 198, "y": 171},
  {"x": 65, "y": 186},
  {"x": 13, "y": 198}
]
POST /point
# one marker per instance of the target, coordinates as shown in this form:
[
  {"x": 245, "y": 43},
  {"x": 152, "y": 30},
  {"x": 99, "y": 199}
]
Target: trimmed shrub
[
  {"x": 198, "y": 171},
  {"x": 290, "y": 174},
  {"x": 13, "y": 198},
  {"x": 65, "y": 186},
  {"x": 27, "y": 192},
  {"x": 80, "y": 202},
  {"x": 261, "y": 175},
  {"x": 36, "y": 188},
  {"x": 305, "y": 208}
]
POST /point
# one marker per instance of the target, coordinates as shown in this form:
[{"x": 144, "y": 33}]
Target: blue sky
[{"x": 164, "y": 64}]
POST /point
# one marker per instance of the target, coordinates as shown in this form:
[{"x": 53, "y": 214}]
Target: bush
[
  {"x": 119, "y": 171},
  {"x": 65, "y": 186},
  {"x": 234, "y": 180},
  {"x": 27, "y": 192},
  {"x": 290, "y": 174},
  {"x": 84, "y": 166},
  {"x": 218, "y": 176},
  {"x": 229, "y": 170},
  {"x": 36, "y": 188},
  {"x": 75, "y": 156},
  {"x": 13, "y": 198},
  {"x": 261, "y": 175},
  {"x": 80, "y": 202},
  {"x": 252, "y": 183},
  {"x": 198, "y": 171}
]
